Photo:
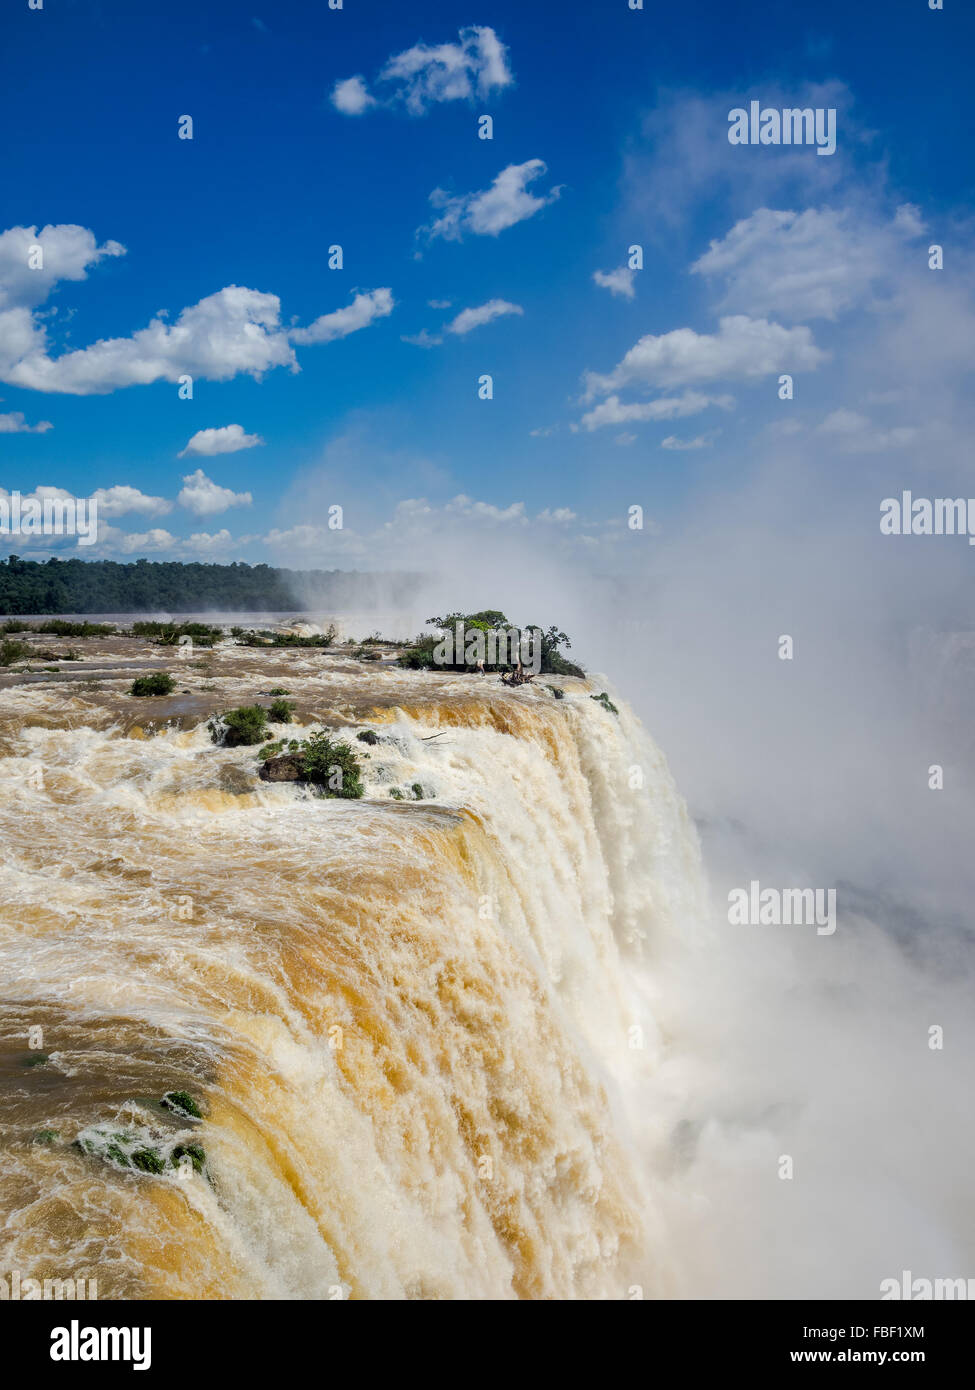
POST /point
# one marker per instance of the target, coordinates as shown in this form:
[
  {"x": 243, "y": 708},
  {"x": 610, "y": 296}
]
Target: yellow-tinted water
[{"x": 413, "y": 1026}]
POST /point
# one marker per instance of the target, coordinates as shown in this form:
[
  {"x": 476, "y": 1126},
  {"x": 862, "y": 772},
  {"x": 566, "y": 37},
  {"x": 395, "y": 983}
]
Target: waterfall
[{"x": 421, "y": 1030}]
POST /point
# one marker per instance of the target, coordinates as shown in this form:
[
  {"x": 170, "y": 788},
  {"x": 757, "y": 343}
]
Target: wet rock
[
  {"x": 286, "y": 767},
  {"x": 234, "y": 780},
  {"x": 367, "y": 736}
]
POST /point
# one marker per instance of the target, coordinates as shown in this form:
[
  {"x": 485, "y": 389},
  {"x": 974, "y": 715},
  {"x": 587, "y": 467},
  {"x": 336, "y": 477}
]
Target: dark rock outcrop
[{"x": 287, "y": 767}]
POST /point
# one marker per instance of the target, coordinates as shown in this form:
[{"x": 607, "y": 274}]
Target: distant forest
[{"x": 146, "y": 586}]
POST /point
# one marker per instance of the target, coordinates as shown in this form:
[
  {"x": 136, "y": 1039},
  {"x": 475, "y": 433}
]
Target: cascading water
[{"x": 420, "y": 1030}]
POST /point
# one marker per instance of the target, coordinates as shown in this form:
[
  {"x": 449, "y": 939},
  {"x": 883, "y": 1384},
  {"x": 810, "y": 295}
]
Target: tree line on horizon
[{"x": 174, "y": 586}]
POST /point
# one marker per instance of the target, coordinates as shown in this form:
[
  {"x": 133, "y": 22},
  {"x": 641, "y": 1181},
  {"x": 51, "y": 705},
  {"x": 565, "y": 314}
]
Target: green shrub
[
  {"x": 60, "y": 627},
  {"x": 331, "y": 767},
  {"x": 281, "y": 711},
  {"x": 245, "y": 725},
  {"x": 159, "y": 683},
  {"x": 603, "y": 699},
  {"x": 277, "y": 690},
  {"x": 11, "y": 652},
  {"x": 181, "y": 1103},
  {"x": 194, "y": 1152}
]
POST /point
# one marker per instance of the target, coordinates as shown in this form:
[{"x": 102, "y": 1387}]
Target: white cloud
[
  {"x": 425, "y": 75},
  {"x": 364, "y": 309},
  {"x": 742, "y": 349},
  {"x": 67, "y": 253},
  {"x": 351, "y": 96},
  {"x": 802, "y": 265},
  {"x": 462, "y": 505},
  {"x": 422, "y": 339},
  {"x": 618, "y": 282},
  {"x": 701, "y": 441},
  {"x": 156, "y": 539},
  {"x": 120, "y": 499},
  {"x": 624, "y": 439},
  {"x": 236, "y": 330},
  {"x": 16, "y": 423},
  {"x": 559, "y": 516},
  {"x": 205, "y": 543},
  {"x": 228, "y": 439},
  {"x": 490, "y": 211},
  {"x": 483, "y": 313},
  {"x": 202, "y": 496},
  {"x": 855, "y": 434},
  {"x": 464, "y": 322},
  {"x": 613, "y": 411}
]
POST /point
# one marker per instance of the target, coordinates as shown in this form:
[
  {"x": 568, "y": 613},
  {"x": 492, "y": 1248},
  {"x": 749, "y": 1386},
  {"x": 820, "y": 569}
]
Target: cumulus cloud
[
  {"x": 205, "y": 543},
  {"x": 133, "y": 542},
  {"x": 67, "y": 252},
  {"x": 15, "y": 422},
  {"x": 364, "y": 309},
  {"x": 483, "y": 313},
  {"x": 351, "y": 96},
  {"x": 800, "y": 265},
  {"x": 228, "y": 439},
  {"x": 854, "y": 433},
  {"x": 202, "y": 496},
  {"x": 491, "y": 210},
  {"x": 425, "y": 75},
  {"x": 234, "y": 331},
  {"x": 743, "y": 349},
  {"x": 613, "y": 411},
  {"x": 120, "y": 499},
  {"x": 618, "y": 282}
]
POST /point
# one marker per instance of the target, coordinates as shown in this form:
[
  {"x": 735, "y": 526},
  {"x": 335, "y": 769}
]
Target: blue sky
[{"x": 615, "y": 121}]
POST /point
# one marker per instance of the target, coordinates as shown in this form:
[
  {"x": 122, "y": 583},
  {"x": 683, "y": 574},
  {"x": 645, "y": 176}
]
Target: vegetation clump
[
  {"x": 159, "y": 683},
  {"x": 265, "y": 637},
  {"x": 181, "y": 1103},
  {"x": 239, "y": 727},
  {"x": 489, "y": 643},
  {"x": 60, "y": 627},
  {"x": 603, "y": 699},
  {"x": 168, "y": 634},
  {"x": 281, "y": 711},
  {"x": 194, "y": 1152},
  {"x": 11, "y": 652},
  {"x": 332, "y": 769}
]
